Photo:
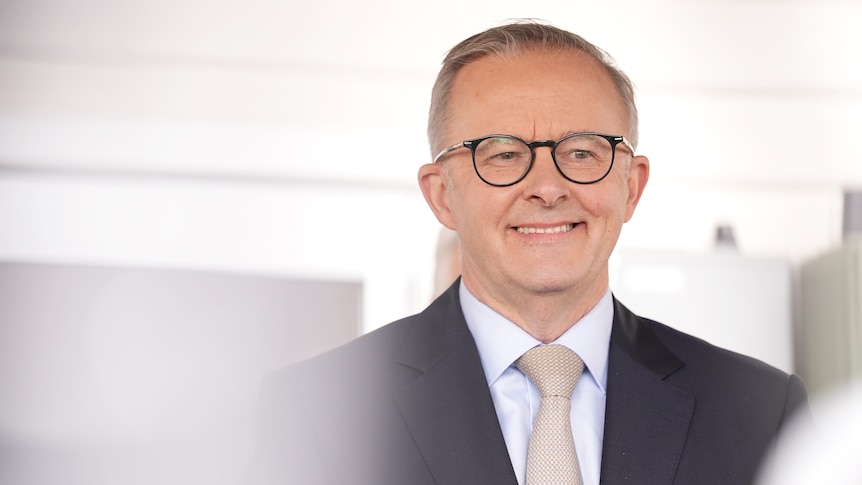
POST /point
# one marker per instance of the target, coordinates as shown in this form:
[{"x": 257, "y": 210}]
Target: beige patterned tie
[{"x": 551, "y": 456}]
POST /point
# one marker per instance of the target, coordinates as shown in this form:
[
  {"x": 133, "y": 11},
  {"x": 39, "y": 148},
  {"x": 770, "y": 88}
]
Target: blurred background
[{"x": 195, "y": 193}]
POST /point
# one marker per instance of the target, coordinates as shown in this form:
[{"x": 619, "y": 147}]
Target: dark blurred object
[
  {"x": 724, "y": 238},
  {"x": 852, "y": 212}
]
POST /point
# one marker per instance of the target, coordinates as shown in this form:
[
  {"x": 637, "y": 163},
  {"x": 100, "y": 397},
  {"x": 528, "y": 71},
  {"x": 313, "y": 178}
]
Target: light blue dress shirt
[{"x": 516, "y": 399}]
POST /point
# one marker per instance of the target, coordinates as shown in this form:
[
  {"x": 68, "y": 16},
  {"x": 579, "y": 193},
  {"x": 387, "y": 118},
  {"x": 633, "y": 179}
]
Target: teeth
[{"x": 550, "y": 230}]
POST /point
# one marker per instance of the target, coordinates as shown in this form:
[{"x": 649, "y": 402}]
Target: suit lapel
[
  {"x": 448, "y": 408},
  {"x": 449, "y": 412},
  {"x": 646, "y": 419}
]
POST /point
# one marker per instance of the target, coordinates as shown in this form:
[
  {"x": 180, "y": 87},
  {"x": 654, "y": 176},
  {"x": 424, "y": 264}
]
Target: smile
[{"x": 545, "y": 230}]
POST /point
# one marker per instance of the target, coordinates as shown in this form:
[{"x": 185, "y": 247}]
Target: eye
[
  {"x": 502, "y": 151},
  {"x": 579, "y": 154},
  {"x": 583, "y": 149}
]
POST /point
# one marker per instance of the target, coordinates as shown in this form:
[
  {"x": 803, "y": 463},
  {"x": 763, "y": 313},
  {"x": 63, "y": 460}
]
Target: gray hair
[{"x": 508, "y": 41}]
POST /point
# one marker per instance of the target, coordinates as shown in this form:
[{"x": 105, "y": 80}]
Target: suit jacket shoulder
[
  {"x": 680, "y": 410},
  {"x": 405, "y": 404}
]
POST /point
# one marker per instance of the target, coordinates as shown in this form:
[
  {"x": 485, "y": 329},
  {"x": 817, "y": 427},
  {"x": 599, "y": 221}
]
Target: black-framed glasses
[{"x": 503, "y": 160}]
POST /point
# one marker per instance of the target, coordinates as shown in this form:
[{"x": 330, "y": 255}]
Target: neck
[{"x": 545, "y": 315}]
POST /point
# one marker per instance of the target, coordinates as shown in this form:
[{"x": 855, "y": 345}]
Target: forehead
[{"x": 534, "y": 94}]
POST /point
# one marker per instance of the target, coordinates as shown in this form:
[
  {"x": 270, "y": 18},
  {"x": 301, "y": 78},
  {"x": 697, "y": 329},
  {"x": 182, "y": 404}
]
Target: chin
[{"x": 550, "y": 285}]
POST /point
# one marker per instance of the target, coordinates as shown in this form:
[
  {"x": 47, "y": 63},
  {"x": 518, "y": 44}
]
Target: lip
[{"x": 545, "y": 229}]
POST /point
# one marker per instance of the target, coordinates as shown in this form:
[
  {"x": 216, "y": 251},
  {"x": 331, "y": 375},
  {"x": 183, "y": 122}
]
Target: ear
[
  {"x": 638, "y": 176},
  {"x": 435, "y": 189}
]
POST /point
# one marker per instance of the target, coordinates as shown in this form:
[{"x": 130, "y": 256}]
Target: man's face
[{"x": 544, "y": 234}]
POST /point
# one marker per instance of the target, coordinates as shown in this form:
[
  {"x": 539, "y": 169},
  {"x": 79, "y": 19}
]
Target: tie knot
[{"x": 553, "y": 368}]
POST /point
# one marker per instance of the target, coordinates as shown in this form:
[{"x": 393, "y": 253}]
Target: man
[{"x": 534, "y": 134}]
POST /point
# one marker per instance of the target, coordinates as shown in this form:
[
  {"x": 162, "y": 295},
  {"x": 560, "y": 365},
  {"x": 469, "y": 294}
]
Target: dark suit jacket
[{"x": 409, "y": 404}]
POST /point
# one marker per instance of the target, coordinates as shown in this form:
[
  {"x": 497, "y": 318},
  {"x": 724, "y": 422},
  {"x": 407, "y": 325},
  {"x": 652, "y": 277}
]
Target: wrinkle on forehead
[{"x": 534, "y": 95}]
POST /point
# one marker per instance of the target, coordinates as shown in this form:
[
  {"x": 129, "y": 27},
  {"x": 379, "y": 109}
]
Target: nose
[{"x": 544, "y": 183}]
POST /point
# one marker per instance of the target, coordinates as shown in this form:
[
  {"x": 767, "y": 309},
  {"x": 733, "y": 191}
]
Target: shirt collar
[{"x": 501, "y": 342}]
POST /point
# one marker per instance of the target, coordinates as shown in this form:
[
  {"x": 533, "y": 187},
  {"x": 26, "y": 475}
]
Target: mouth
[{"x": 545, "y": 230}]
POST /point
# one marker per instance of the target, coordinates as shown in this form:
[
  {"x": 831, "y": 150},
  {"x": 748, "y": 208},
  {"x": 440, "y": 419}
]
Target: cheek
[
  {"x": 596, "y": 202},
  {"x": 481, "y": 203},
  {"x": 598, "y": 209},
  {"x": 471, "y": 208},
  {"x": 608, "y": 206}
]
